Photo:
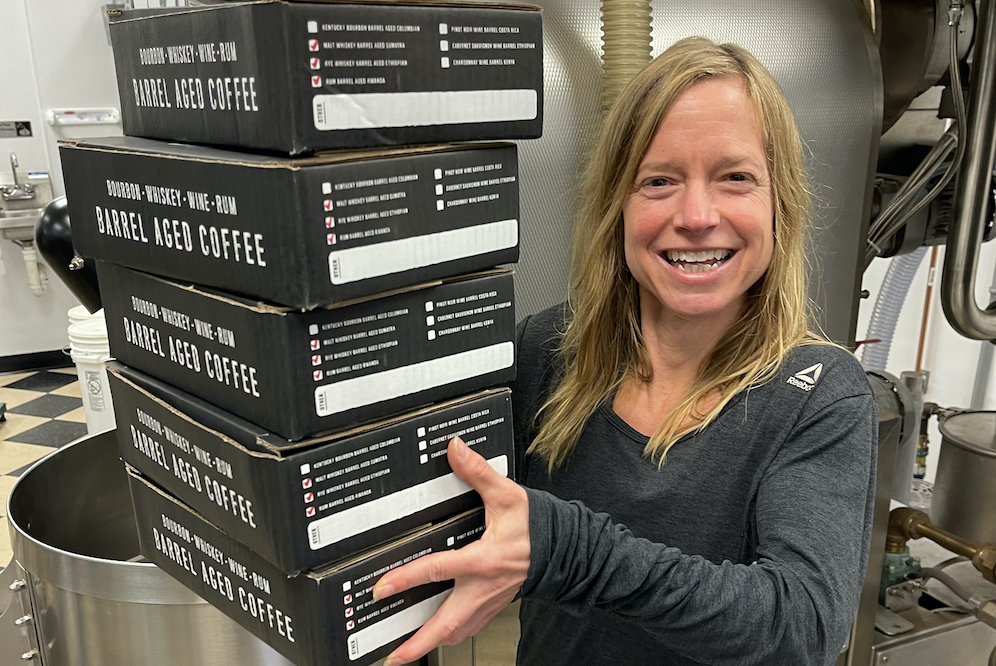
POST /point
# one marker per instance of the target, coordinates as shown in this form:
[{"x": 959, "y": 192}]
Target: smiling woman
[{"x": 698, "y": 466}]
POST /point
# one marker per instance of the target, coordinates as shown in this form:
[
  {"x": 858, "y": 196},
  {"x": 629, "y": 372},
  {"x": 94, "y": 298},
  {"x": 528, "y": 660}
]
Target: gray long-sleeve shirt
[{"x": 748, "y": 546}]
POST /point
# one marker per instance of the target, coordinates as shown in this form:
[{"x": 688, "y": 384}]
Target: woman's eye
[
  {"x": 657, "y": 182},
  {"x": 738, "y": 177}
]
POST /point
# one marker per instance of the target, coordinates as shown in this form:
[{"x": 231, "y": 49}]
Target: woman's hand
[{"x": 488, "y": 572}]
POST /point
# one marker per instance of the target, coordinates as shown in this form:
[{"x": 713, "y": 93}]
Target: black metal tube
[{"x": 973, "y": 188}]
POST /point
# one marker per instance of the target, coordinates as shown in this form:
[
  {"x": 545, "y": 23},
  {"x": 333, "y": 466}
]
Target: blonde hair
[{"x": 603, "y": 343}]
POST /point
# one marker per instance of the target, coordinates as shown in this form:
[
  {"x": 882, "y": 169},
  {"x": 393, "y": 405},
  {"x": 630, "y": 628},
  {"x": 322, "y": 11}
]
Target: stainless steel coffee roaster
[{"x": 890, "y": 180}]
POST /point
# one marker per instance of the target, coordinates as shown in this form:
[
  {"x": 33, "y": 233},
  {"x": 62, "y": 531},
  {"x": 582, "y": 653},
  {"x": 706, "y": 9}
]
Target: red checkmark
[
  {"x": 312, "y": 44},
  {"x": 330, "y": 239},
  {"x": 316, "y": 359},
  {"x": 315, "y": 344},
  {"x": 310, "y": 511},
  {"x": 327, "y": 205},
  {"x": 316, "y": 82},
  {"x": 316, "y": 63},
  {"x": 330, "y": 222},
  {"x": 309, "y": 497},
  {"x": 317, "y": 374},
  {"x": 306, "y": 484}
]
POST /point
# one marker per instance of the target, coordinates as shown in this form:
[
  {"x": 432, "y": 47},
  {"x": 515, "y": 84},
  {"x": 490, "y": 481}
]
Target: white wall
[{"x": 53, "y": 54}]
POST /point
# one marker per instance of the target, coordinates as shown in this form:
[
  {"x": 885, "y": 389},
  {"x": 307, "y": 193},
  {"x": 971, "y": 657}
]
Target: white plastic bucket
[
  {"x": 89, "y": 350},
  {"x": 80, "y": 313}
]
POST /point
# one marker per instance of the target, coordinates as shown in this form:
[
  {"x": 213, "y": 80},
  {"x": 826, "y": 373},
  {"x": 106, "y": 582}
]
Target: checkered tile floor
[{"x": 44, "y": 412}]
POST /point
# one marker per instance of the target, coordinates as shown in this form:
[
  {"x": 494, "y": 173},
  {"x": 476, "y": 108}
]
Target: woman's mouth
[{"x": 697, "y": 262}]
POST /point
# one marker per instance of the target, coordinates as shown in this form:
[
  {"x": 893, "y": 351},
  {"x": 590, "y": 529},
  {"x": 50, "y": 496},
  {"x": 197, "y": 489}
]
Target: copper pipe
[
  {"x": 926, "y": 306},
  {"x": 905, "y": 523}
]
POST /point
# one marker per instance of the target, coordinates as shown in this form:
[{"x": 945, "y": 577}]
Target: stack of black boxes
[{"x": 299, "y": 330}]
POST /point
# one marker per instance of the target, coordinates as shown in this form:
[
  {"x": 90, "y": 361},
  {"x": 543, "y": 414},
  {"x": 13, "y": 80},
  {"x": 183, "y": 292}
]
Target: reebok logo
[{"x": 806, "y": 379}]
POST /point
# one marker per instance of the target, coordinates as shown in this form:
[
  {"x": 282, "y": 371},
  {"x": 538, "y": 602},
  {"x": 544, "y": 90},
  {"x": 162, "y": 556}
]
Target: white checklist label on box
[
  {"x": 419, "y": 109},
  {"x": 312, "y": 27},
  {"x": 443, "y": 28},
  {"x": 405, "y": 254},
  {"x": 389, "y": 508},
  {"x": 379, "y": 634},
  {"x": 313, "y": 329}
]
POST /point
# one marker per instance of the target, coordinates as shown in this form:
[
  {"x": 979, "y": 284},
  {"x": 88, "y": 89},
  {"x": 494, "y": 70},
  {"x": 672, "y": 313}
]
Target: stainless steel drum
[
  {"x": 75, "y": 594},
  {"x": 964, "y": 499}
]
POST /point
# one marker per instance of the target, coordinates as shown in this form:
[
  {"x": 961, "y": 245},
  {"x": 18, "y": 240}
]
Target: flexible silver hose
[{"x": 888, "y": 306}]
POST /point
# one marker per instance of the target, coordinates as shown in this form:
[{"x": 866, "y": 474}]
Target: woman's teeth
[{"x": 697, "y": 262}]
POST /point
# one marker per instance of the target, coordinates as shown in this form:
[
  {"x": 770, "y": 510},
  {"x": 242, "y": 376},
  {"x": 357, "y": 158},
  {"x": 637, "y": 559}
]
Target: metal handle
[
  {"x": 974, "y": 187},
  {"x": 21, "y": 621},
  {"x": 29, "y": 655},
  {"x": 18, "y": 585}
]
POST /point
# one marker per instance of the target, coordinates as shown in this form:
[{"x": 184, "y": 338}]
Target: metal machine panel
[{"x": 820, "y": 51}]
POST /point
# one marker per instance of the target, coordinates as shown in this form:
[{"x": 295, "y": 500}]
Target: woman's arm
[{"x": 793, "y": 606}]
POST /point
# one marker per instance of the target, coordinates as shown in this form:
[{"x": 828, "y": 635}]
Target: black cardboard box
[
  {"x": 323, "y": 617},
  {"x": 299, "y": 232},
  {"x": 300, "y": 77},
  {"x": 300, "y": 505},
  {"x": 298, "y": 373}
]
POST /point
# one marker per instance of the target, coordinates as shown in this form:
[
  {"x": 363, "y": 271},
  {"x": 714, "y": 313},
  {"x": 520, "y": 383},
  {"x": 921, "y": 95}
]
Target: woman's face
[{"x": 698, "y": 225}]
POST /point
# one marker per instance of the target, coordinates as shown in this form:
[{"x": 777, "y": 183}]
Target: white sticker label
[
  {"x": 381, "y": 633},
  {"x": 379, "y": 386},
  {"x": 413, "y": 109},
  {"x": 389, "y": 508},
  {"x": 405, "y": 254}
]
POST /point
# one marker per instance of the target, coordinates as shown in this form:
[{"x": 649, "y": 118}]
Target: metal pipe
[
  {"x": 985, "y": 364},
  {"x": 972, "y": 191}
]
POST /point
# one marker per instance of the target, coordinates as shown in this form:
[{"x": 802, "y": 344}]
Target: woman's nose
[{"x": 697, "y": 211}]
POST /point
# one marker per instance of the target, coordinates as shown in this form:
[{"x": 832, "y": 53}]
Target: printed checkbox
[
  {"x": 421, "y": 432},
  {"x": 328, "y": 205},
  {"x": 316, "y": 359},
  {"x": 444, "y": 45},
  {"x": 422, "y": 446},
  {"x": 443, "y": 28},
  {"x": 346, "y": 587},
  {"x": 317, "y": 375},
  {"x": 313, "y": 45},
  {"x": 350, "y": 625},
  {"x": 313, "y": 329},
  {"x": 330, "y": 239},
  {"x": 330, "y": 222},
  {"x": 440, "y": 204},
  {"x": 423, "y": 459},
  {"x": 312, "y": 27},
  {"x": 315, "y": 344},
  {"x": 349, "y": 612},
  {"x": 316, "y": 81},
  {"x": 309, "y": 512},
  {"x": 431, "y": 335},
  {"x": 348, "y": 599},
  {"x": 444, "y": 62},
  {"x": 439, "y": 190},
  {"x": 309, "y": 498},
  {"x": 305, "y": 469},
  {"x": 315, "y": 63},
  {"x": 326, "y": 188},
  {"x": 430, "y": 321},
  {"x": 437, "y": 174},
  {"x": 306, "y": 483},
  {"x": 450, "y": 541},
  {"x": 428, "y": 306}
]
